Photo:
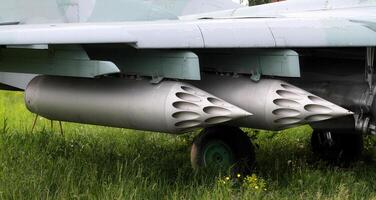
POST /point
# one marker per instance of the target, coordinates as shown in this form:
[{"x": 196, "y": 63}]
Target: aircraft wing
[{"x": 205, "y": 33}]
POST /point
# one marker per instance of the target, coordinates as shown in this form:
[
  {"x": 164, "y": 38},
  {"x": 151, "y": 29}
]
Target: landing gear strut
[
  {"x": 223, "y": 148},
  {"x": 337, "y": 147}
]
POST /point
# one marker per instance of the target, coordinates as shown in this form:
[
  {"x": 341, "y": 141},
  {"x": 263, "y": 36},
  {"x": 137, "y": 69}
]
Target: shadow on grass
[{"x": 286, "y": 160}]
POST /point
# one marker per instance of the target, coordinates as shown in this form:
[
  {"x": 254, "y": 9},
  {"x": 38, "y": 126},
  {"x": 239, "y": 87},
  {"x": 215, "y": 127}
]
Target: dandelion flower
[{"x": 238, "y": 175}]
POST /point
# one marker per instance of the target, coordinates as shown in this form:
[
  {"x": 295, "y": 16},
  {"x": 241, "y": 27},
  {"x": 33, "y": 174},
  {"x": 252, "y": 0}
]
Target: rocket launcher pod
[
  {"x": 169, "y": 106},
  {"x": 275, "y": 104}
]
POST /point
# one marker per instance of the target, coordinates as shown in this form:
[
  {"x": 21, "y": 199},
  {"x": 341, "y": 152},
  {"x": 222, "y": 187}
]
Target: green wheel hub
[{"x": 218, "y": 154}]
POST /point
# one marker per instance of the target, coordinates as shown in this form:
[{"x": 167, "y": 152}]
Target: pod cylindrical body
[{"x": 110, "y": 102}]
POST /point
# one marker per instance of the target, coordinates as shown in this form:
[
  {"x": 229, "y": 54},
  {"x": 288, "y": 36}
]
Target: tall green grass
[{"x": 91, "y": 162}]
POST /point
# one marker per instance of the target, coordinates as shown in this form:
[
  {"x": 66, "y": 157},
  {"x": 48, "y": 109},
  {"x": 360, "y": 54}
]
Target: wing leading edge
[{"x": 219, "y": 33}]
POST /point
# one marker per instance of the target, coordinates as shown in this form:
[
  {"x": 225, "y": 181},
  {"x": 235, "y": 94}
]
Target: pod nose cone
[
  {"x": 192, "y": 108},
  {"x": 293, "y": 106}
]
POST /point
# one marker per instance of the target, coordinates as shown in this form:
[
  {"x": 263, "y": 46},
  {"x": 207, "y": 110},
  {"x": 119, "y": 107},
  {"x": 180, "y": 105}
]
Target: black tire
[
  {"x": 238, "y": 142},
  {"x": 342, "y": 148}
]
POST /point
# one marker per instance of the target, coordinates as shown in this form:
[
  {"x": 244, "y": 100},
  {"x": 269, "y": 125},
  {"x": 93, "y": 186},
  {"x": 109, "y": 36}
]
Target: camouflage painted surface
[
  {"x": 73, "y": 11},
  {"x": 293, "y": 7}
]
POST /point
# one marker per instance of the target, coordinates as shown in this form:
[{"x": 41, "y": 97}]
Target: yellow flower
[
  {"x": 227, "y": 178},
  {"x": 238, "y": 175}
]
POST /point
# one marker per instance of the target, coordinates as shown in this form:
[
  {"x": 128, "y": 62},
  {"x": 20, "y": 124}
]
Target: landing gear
[
  {"x": 223, "y": 149},
  {"x": 337, "y": 147}
]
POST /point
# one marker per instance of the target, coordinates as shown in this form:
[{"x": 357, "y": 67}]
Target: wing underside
[{"x": 177, "y": 49}]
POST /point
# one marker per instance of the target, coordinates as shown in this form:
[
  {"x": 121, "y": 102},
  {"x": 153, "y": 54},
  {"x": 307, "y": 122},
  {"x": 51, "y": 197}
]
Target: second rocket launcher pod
[{"x": 275, "y": 104}]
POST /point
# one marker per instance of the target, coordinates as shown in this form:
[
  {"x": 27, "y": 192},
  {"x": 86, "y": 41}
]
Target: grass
[{"x": 92, "y": 162}]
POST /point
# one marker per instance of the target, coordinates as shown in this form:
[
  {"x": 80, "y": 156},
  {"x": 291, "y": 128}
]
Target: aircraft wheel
[
  {"x": 337, "y": 147},
  {"x": 223, "y": 148}
]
